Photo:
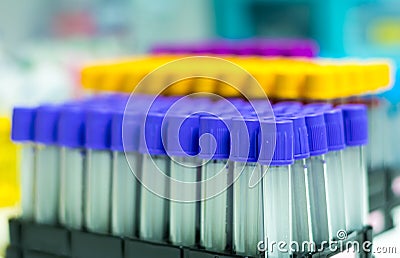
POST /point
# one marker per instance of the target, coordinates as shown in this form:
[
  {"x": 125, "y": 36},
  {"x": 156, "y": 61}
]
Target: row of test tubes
[{"x": 252, "y": 173}]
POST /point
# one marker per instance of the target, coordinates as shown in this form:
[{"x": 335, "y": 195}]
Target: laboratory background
[{"x": 201, "y": 128}]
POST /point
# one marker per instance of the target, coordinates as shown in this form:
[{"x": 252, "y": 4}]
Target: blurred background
[{"x": 44, "y": 43}]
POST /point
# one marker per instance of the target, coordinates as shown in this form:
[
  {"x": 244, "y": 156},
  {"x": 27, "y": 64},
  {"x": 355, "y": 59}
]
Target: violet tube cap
[
  {"x": 98, "y": 129},
  {"x": 71, "y": 127},
  {"x": 125, "y": 131},
  {"x": 283, "y": 149},
  {"x": 334, "y": 129},
  {"x": 183, "y": 135},
  {"x": 319, "y": 106},
  {"x": 301, "y": 145},
  {"x": 244, "y": 139},
  {"x": 23, "y": 124},
  {"x": 355, "y": 120},
  {"x": 46, "y": 124},
  {"x": 152, "y": 135},
  {"x": 214, "y": 138},
  {"x": 317, "y": 138}
]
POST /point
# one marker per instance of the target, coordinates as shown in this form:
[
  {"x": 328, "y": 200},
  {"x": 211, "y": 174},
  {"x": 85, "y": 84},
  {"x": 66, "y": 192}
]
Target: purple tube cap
[
  {"x": 125, "y": 131},
  {"x": 280, "y": 132},
  {"x": 317, "y": 138},
  {"x": 71, "y": 127},
  {"x": 23, "y": 124},
  {"x": 183, "y": 135},
  {"x": 214, "y": 137},
  {"x": 98, "y": 129},
  {"x": 152, "y": 134},
  {"x": 244, "y": 133},
  {"x": 46, "y": 124},
  {"x": 300, "y": 134},
  {"x": 355, "y": 120},
  {"x": 335, "y": 129},
  {"x": 319, "y": 106}
]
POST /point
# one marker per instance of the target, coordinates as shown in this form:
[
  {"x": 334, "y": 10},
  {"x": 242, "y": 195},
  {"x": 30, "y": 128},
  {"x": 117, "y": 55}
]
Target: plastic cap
[
  {"x": 355, "y": 120},
  {"x": 334, "y": 129},
  {"x": 319, "y": 106},
  {"x": 98, "y": 129},
  {"x": 301, "y": 146},
  {"x": 244, "y": 139},
  {"x": 320, "y": 84},
  {"x": 317, "y": 138},
  {"x": 71, "y": 127},
  {"x": 46, "y": 124},
  {"x": 288, "y": 84},
  {"x": 283, "y": 134},
  {"x": 214, "y": 137},
  {"x": 152, "y": 135},
  {"x": 288, "y": 104},
  {"x": 23, "y": 124},
  {"x": 183, "y": 135},
  {"x": 128, "y": 141}
]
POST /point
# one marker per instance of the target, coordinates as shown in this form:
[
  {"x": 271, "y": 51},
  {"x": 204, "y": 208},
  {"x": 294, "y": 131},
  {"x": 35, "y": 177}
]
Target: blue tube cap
[
  {"x": 317, "y": 138},
  {"x": 125, "y": 131},
  {"x": 183, "y": 135},
  {"x": 244, "y": 139},
  {"x": 301, "y": 145},
  {"x": 152, "y": 135},
  {"x": 214, "y": 137},
  {"x": 335, "y": 129},
  {"x": 282, "y": 132},
  {"x": 71, "y": 127},
  {"x": 355, "y": 119},
  {"x": 23, "y": 124},
  {"x": 46, "y": 124},
  {"x": 98, "y": 129}
]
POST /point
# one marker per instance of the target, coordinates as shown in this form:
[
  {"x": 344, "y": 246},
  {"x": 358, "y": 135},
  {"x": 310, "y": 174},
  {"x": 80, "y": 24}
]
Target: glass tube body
[
  {"x": 72, "y": 161},
  {"x": 154, "y": 208},
  {"x": 317, "y": 198},
  {"x": 300, "y": 201},
  {"x": 27, "y": 168},
  {"x": 47, "y": 181},
  {"x": 335, "y": 193},
  {"x": 376, "y": 128},
  {"x": 98, "y": 191},
  {"x": 214, "y": 229},
  {"x": 355, "y": 186},
  {"x": 125, "y": 187},
  {"x": 277, "y": 209},
  {"x": 248, "y": 227},
  {"x": 184, "y": 218}
]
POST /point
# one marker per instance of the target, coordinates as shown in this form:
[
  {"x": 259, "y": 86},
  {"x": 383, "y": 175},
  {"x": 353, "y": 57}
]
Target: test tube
[
  {"x": 154, "y": 208},
  {"x": 355, "y": 121},
  {"x": 300, "y": 201},
  {"x": 98, "y": 170},
  {"x": 47, "y": 165},
  {"x": 334, "y": 172},
  {"x": 71, "y": 138},
  {"x": 277, "y": 189},
  {"x": 23, "y": 133},
  {"x": 183, "y": 146},
  {"x": 215, "y": 229},
  {"x": 125, "y": 185},
  {"x": 248, "y": 228},
  {"x": 316, "y": 176}
]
